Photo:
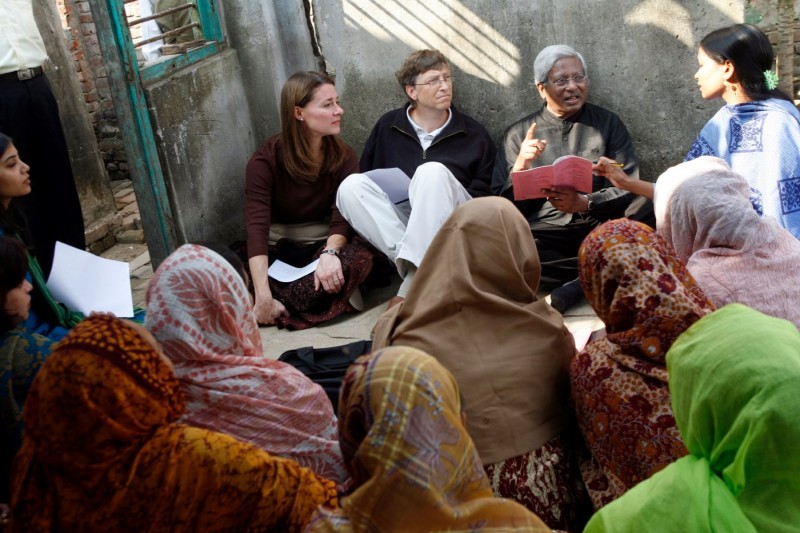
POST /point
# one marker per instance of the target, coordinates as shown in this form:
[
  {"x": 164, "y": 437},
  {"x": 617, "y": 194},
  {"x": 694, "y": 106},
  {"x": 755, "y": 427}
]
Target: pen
[{"x": 612, "y": 164}]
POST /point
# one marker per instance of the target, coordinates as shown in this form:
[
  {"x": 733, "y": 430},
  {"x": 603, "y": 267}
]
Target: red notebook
[{"x": 567, "y": 171}]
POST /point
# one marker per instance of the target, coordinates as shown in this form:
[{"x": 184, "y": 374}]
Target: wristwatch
[
  {"x": 590, "y": 203},
  {"x": 330, "y": 251}
]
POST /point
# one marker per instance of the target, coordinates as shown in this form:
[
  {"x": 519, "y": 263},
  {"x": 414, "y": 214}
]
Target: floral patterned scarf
[
  {"x": 103, "y": 452},
  {"x": 646, "y": 298},
  {"x": 199, "y": 310},
  {"x": 413, "y": 464}
]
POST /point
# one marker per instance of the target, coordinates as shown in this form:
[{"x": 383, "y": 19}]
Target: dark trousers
[
  {"x": 29, "y": 115},
  {"x": 558, "y": 245}
]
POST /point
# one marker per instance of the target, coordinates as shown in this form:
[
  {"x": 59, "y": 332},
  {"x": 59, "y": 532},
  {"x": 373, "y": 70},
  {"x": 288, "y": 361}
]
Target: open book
[{"x": 566, "y": 171}]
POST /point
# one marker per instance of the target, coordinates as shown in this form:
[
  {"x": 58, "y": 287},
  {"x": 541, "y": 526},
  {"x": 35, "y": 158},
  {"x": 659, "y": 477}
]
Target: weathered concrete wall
[
  {"x": 203, "y": 129},
  {"x": 273, "y": 41},
  {"x": 641, "y": 58},
  {"x": 94, "y": 188}
]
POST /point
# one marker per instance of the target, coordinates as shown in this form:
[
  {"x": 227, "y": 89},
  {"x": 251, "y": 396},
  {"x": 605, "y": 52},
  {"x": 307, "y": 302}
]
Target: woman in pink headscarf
[
  {"x": 199, "y": 309},
  {"x": 703, "y": 210}
]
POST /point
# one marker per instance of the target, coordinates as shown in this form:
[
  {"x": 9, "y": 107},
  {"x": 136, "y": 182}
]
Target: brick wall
[
  {"x": 796, "y": 94},
  {"x": 81, "y": 35}
]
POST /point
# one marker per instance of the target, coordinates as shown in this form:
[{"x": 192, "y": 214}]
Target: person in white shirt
[
  {"x": 448, "y": 154},
  {"x": 29, "y": 115}
]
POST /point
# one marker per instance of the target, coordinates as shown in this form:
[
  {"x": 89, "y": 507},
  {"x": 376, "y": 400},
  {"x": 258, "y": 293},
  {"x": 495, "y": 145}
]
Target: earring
[{"x": 300, "y": 119}]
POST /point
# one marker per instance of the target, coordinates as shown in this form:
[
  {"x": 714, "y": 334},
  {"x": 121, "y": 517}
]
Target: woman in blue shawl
[
  {"x": 757, "y": 132},
  {"x": 22, "y": 353}
]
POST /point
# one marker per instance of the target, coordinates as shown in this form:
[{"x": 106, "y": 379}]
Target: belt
[{"x": 22, "y": 75}]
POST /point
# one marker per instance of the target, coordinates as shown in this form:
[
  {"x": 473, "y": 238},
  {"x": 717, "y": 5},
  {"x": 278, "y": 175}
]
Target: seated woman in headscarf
[
  {"x": 103, "y": 450},
  {"x": 200, "y": 311},
  {"x": 735, "y": 384},
  {"x": 703, "y": 210},
  {"x": 414, "y": 466},
  {"x": 473, "y": 307},
  {"x": 646, "y": 298},
  {"x": 21, "y": 353}
]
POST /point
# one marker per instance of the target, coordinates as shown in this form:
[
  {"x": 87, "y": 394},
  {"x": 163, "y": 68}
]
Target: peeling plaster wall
[
  {"x": 204, "y": 134},
  {"x": 91, "y": 179},
  {"x": 641, "y": 58},
  {"x": 273, "y": 42}
]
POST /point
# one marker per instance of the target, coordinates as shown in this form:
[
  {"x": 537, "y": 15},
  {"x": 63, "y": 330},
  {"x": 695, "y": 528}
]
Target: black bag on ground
[{"x": 326, "y": 366}]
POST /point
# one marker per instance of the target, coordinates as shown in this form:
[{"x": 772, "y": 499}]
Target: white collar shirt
[
  {"x": 426, "y": 138},
  {"x": 21, "y": 44}
]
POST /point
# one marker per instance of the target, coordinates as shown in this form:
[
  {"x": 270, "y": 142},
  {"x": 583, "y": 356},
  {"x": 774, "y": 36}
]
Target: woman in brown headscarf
[
  {"x": 473, "y": 306},
  {"x": 103, "y": 451}
]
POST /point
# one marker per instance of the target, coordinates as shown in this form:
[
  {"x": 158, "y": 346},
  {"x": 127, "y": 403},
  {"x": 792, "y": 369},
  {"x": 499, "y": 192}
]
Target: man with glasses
[
  {"x": 567, "y": 124},
  {"x": 449, "y": 155}
]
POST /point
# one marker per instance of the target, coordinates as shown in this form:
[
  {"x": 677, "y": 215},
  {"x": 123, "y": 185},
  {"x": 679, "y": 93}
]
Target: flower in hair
[{"x": 770, "y": 79}]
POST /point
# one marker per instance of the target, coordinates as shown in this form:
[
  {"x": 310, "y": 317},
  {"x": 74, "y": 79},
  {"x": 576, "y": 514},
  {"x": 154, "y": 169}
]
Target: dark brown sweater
[{"x": 273, "y": 195}]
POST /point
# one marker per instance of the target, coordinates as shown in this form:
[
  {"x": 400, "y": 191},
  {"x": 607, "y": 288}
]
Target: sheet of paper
[
  {"x": 581, "y": 335},
  {"x": 85, "y": 282},
  {"x": 393, "y": 181},
  {"x": 284, "y": 272}
]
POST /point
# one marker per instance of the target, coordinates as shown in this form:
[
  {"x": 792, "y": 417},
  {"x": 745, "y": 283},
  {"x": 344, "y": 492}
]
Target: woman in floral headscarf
[
  {"x": 646, "y": 298},
  {"x": 199, "y": 310},
  {"x": 414, "y": 466},
  {"x": 103, "y": 450}
]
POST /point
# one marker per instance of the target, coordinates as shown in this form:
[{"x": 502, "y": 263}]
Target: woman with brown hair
[{"x": 291, "y": 213}]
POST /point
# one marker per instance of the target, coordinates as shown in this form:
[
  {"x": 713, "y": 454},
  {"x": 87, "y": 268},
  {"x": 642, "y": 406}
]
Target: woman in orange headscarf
[{"x": 103, "y": 451}]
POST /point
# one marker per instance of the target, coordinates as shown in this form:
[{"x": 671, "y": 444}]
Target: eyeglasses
[
  {"x": 435, "y": 82},
  {"x": 562, "y": 82}
]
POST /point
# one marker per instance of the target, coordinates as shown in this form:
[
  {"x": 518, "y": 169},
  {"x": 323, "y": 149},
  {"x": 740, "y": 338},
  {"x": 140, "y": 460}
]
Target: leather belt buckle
[{"x": 27, "y": 74}]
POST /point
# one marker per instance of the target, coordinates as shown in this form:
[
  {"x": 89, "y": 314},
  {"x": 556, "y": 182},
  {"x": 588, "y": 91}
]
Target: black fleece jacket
[{"x": 464, "y": 147}]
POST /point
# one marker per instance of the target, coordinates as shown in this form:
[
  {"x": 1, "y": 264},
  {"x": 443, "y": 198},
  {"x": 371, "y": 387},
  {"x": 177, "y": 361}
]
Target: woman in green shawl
[{"x": 735, "y": 384}]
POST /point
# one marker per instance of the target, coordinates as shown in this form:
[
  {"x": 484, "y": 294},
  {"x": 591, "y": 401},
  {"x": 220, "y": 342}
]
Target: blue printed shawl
[{"x": 760, "y": 141}]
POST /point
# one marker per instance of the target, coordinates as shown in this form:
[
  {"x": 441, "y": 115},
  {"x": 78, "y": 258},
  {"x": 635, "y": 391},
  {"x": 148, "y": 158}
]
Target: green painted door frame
[{"x": 124, "y": 79}]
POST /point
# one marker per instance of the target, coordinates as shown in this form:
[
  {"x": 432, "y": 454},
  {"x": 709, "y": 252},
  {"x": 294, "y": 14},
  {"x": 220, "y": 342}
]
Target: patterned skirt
[
  {"x": 547, "y": 481},
  {"x": 308, "y": 307}
]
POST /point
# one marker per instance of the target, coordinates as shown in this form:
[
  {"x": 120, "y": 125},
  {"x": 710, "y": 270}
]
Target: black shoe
[{"x": 566, "y": 296}]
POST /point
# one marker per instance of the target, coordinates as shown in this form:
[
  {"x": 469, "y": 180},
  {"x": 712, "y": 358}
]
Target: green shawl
[
  {"x": 735, "y": 385},
  {"x": 63, "y": 316}
]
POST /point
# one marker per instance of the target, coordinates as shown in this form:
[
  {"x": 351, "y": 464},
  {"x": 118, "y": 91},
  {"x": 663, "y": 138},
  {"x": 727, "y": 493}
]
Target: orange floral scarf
[
  {"x": 103, "y": 452},
  {"x": 646, "y": 298}
]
